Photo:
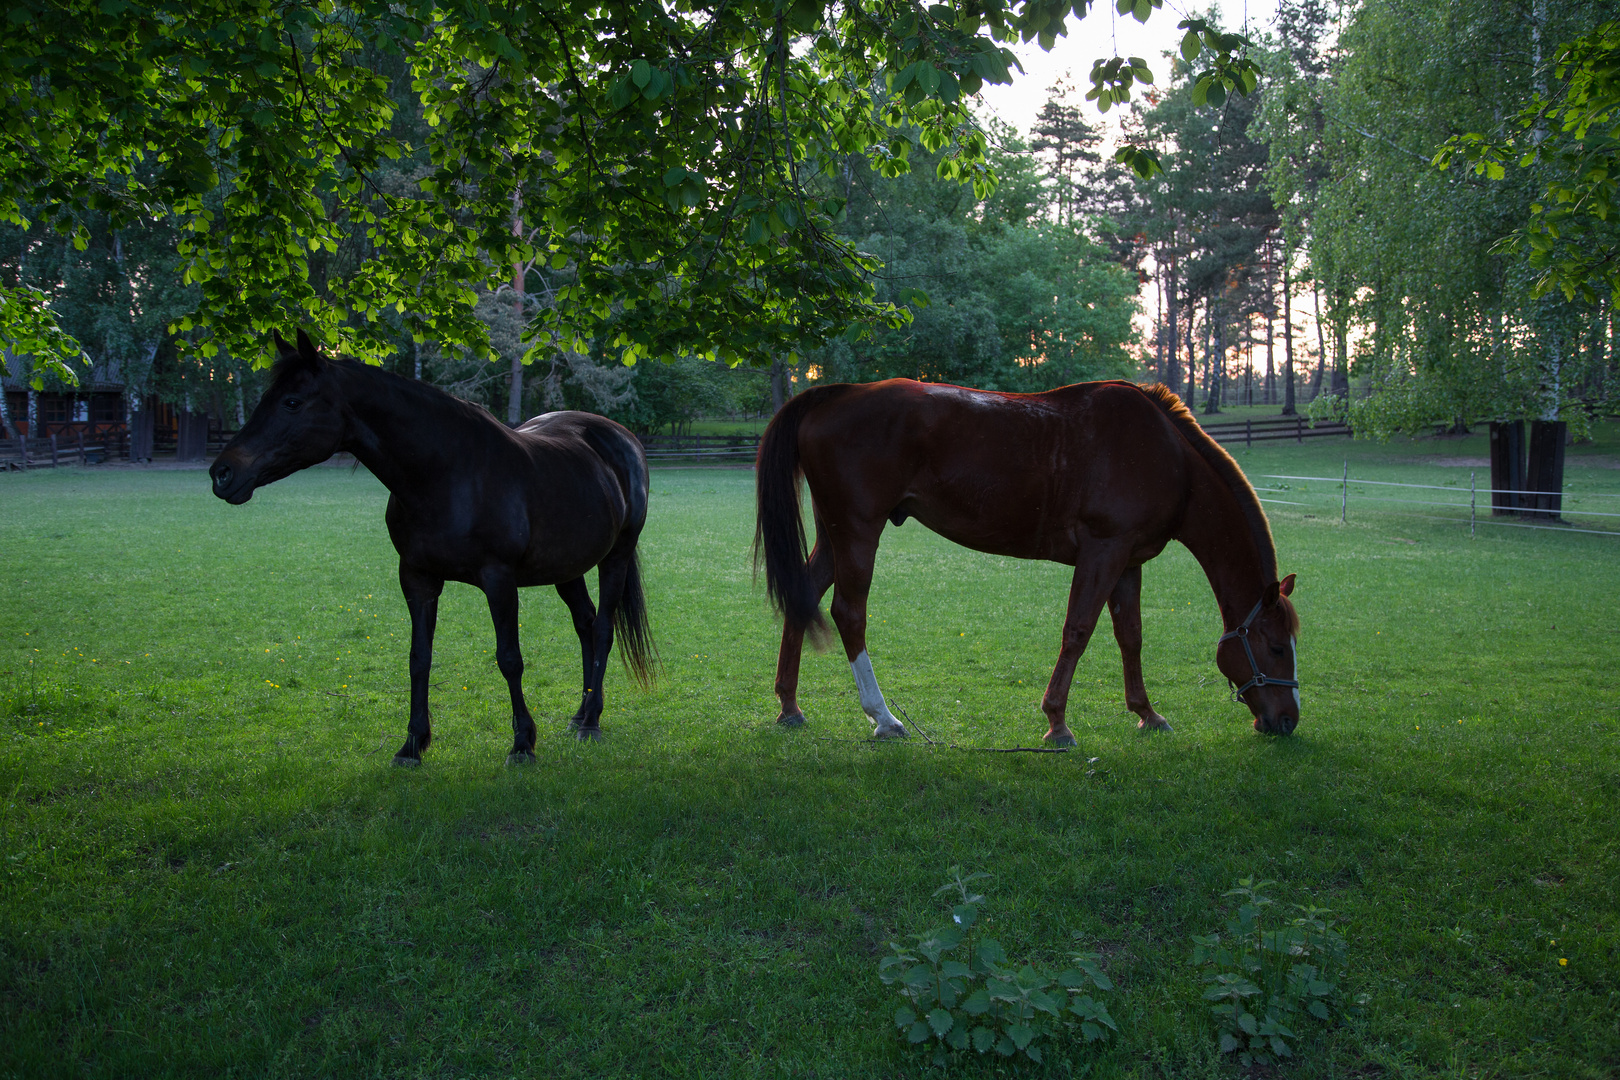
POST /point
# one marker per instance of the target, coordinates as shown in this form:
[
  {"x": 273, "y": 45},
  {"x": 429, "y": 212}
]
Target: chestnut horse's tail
[{"x": 779, "y": 528}]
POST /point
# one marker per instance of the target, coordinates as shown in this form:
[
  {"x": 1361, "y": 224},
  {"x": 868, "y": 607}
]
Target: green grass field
[{"x": 211, "y": 869}]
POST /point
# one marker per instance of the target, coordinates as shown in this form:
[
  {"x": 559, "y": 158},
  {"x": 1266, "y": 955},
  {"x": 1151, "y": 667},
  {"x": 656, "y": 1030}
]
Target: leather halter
[{"x": 1260, "y": 677}]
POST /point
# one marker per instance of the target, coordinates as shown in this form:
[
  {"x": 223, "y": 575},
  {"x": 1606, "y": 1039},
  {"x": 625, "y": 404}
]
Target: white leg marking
[
  {"x": 1293, "y": 654},
  {"x": 872, "y": 703}
]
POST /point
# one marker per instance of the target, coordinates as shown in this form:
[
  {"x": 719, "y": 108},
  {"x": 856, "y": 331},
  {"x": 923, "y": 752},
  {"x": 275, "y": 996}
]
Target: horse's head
[
  {"x": 298, "y": 422},
  {"x": 1260, "y": 659}
]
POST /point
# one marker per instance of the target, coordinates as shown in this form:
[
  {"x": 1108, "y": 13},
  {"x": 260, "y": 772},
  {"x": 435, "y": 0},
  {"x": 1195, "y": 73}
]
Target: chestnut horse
[
  {"x": 469, "y": 500},
  {"x": 1098, "y": 476}
]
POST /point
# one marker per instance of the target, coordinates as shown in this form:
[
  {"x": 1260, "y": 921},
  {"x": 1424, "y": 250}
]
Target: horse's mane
[
  {"x": 1229, "y": 472},
  {"x": 389, "y": 382}
]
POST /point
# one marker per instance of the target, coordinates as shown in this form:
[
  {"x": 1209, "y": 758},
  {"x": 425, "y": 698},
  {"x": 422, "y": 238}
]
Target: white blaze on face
[
  {"x": 1293, "y": 657},
  {"x": 872, "y": 703}
]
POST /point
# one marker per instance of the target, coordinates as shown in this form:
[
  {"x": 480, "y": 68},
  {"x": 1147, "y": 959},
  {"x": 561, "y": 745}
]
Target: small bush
[
  {"x": 1267, "y": 973},
  {"x": 964, "y": 993}
]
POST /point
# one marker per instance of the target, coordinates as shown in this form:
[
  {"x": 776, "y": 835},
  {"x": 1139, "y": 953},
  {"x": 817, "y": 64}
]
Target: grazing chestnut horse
[
  {"x": 1098, "y": 476},
  {"x": 469, "y": 500}
]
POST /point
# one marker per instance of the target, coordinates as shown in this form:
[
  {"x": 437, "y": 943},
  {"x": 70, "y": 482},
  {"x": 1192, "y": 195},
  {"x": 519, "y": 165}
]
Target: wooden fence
[
  {"x": 1274, "y": 428},
  {"x": 697, "y": 448},
  {"x": 52, "y": 450},
  {"x": 690, "y": 449}
]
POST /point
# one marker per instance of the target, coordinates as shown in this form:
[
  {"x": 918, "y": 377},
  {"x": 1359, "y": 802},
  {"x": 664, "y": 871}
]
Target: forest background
[{"x": 1299, "y": 240}]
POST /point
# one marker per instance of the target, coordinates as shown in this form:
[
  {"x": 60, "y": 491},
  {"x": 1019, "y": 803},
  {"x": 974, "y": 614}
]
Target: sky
[{"x": 1103, "y": 34}]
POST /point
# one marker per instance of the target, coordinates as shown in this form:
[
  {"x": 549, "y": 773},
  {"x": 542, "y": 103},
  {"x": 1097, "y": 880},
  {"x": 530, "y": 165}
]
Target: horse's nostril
[{"x": 222, "y": 474}]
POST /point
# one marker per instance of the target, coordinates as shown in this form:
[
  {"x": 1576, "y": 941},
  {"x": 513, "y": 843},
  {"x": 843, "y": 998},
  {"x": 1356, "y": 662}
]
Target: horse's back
[
  {"x": 585, "y": 437},
  {"x": 1029, "y": 475}
]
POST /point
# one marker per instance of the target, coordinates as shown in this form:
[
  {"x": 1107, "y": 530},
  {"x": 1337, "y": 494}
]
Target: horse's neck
[
  {"x": 1219, "y": 535},
  {"x": 395, "y": 432}
]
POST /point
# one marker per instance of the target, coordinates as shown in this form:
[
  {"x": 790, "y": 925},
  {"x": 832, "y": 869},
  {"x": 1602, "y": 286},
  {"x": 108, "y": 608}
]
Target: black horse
[{"x": 469, "y": 500}]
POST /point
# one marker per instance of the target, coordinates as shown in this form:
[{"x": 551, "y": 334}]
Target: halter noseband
[{"x": 1260, "y": 677}]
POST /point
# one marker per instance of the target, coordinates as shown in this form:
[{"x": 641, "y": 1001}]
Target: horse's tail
[
  {"x": 630, "y": 627},
  {"x": 779, "y": 536},
  {"x": 622, "y": 451}
]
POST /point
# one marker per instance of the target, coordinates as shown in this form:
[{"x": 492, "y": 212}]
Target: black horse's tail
[
  {"x": 631, "y": 630},
  {"x": 779, "y": 526}
]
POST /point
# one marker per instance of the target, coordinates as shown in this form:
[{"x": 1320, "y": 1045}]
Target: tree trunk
[
  {"x": 1321, "y": 344},
  {"x": 142, "y": 419},
  {"x": 779, "y": 385},
  {"x": 9, "y": 429},
  {"x": 1172, "y": 371},
  {"x": 1271, "y": 359},
  {"x": 1288, "y": 343},
  {"x": 1214, "y": 359},
  {"x": 514, "y": 394},
  {"x": 1191, "y": 397}
]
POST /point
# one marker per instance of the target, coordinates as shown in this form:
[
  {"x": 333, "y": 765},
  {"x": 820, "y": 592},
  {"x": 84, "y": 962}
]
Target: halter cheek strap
[{"x": 1260, "y": 677}]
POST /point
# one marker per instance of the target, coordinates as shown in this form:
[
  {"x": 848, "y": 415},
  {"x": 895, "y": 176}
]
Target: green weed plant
[
  {"x": 1268, "y": 974},
  {"x": 964, "y": 993}
]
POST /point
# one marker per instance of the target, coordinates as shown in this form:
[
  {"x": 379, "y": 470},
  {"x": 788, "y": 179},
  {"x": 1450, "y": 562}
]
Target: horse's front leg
[
  {"x": 1095, "y": 575},
  {"x": 585, "y": 721},
  {"x": 852, "y": 582},
  {"x": 422, "y": 600},
  {"x": 1125, "y": 605},
  {"x": 820, "y": 569},
  {"x": 500, "y": 589}
]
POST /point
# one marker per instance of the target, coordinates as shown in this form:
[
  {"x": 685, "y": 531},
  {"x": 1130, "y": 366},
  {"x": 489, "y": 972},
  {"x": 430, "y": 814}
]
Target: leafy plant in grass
[
  {"x": 964, "y": 992},
  {"x": 1267, "y": 973}
]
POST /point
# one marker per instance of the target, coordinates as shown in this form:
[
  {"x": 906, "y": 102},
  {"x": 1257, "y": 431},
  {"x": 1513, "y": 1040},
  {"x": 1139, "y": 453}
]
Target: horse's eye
[
  {"x": 291, "y": 404},
  {"x": 1278, "y": 650}
]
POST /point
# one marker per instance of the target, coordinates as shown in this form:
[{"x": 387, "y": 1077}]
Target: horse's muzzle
[
  {"x": 1280, "y": 724},
  {"x": 230, "y": 484}
]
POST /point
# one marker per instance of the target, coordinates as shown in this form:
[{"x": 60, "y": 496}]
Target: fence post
[
  {"x": 53, "y": 451},
  {"x": 1344, "y": 496},
  {"x": 81, "y": 448},
  {"x": 1299, "y": 430},
  {"x": 1248, "y": 434},
  {"x": 1471, "y": 513}
]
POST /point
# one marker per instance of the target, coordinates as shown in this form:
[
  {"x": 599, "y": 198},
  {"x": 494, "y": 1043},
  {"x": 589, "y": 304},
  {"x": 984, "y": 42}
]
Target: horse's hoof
[
  {"x": 407, "y": 762},
  {"x": 520, "y": 757},
  {"x": 791, "y": 720},
  {"x": 587, "y": 734},
  {"x": 1059, "y": 738},
  {"x": 897, "y": 731},
  {"x": 1155, "y": 722}
]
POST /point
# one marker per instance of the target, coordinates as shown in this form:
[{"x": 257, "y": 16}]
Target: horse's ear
[
  {"x": 1286, "y": 586},
  {"x": 282, "y": 348},
  {"x": 1273, "y": 591},
  {"x": 306, "y": 348}
]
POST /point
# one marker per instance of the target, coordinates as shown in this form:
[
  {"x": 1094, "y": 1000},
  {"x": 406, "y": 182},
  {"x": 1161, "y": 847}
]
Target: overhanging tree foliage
[{"x": 663, "y": 153}]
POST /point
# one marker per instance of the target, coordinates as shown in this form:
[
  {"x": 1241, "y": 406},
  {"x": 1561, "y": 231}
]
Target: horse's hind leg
[
  {"x": 611, "y": 577},
  {"x": 852, "y": 582},
  {"x": 422, "y": 600},
  {"x": 500, "y": 589},
  {"x": 578, "y": 599},
  {"x": 1125, "y": 605},
  {"x": 820, "y": 568},
  {"x": 1095, "y": 575}
]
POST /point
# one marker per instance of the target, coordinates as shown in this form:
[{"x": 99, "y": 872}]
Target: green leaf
[
  {"x": 940, "y": 1021},
  {"x": 983, "y": 1039},
  {"x": 1190, "y": 46},
  {"x": 641, "y": 74},
  {"x": 918, "y": 1033},
  {"x": 904, "y": 1017}
]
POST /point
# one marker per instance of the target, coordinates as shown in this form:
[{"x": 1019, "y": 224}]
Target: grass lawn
[{"x": 211, "y": 869}]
